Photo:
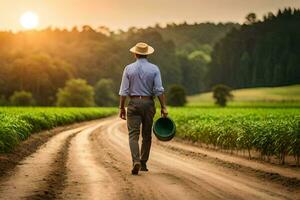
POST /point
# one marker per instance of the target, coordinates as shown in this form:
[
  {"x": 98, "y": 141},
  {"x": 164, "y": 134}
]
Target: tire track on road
[
  {"x": 211, "y": 181},
  {"x": 31, "y": 173},
  {"x": 85, "y": 178},
  {"x": 94, "y": 162}
]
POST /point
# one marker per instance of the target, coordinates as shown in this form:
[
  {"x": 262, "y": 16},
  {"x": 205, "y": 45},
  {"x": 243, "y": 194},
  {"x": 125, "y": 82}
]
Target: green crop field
[
  {"x": 17, "y": 124},
  {"x": 287, "y": 96},
  {"x": 270, "y": 131},
  {"x": 266, "y": 120}
]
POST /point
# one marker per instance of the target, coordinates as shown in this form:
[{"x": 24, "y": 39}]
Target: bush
[
  {"x": 176, "y": 96},
  {"x": 104, "y": 94},
  {"x": 221, "y": 93},
  {"x": 76, "y": 93},
  {"x": 22, "y": 98}
]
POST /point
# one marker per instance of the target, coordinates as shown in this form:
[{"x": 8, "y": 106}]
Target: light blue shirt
[{"x": 141, "y": 78}]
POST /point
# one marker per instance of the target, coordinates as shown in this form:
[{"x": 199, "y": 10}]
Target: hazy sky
[{"x": 125, "y": 13}]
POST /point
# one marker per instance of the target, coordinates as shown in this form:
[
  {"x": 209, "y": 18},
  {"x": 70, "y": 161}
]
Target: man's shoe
[
  {"x": 144, "y": 167},
  {"x": 136, "y": 168}
]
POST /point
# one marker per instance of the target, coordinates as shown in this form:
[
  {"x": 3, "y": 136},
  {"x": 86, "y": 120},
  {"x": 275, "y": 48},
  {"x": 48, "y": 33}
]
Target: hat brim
[{"x": 150, "y": 51}]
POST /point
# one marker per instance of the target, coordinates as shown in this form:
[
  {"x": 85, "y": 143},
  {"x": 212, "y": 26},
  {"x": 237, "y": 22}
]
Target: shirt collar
[{"x": 142, "y": 60}]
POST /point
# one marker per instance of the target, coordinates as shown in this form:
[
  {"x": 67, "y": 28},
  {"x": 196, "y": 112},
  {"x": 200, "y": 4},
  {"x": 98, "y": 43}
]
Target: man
[{"x": 141, "y": 81}]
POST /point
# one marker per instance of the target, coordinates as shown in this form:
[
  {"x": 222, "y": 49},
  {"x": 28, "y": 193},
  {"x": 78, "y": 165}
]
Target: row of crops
[
  {"x": 271, "y": 132},
  {"x": 16, "y": 124}
]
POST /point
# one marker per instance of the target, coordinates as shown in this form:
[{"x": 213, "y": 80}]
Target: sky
[{"x": 121, "y": 14}]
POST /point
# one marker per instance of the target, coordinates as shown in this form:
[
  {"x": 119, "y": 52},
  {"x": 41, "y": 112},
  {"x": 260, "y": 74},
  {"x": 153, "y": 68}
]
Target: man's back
[{"x": 141, "y": 78}]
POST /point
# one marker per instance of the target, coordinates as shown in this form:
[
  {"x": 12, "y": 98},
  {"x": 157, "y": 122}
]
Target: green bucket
[{"x": 164, "y": 129}]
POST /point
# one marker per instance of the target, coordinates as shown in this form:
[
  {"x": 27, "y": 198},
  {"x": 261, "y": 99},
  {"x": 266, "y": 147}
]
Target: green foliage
[
  {"x": 17, "y": 124},
  {"x": 188, "y": 38},
  {"x": 256, "y": 54},
  {"x": 54, "y": 56},
  {"x": 200, "y": 56},
  {"x": 76, "y": 93},
  {"x": 104, "y": 93},
  {"x": 192, "y": 71},
  {"x": 37, "y": 73},
  {"x": 259, "y": 53},
  {"x": 3, "y": 101},
  {"x": 286, "y": 96},
  {"x": 221, "y": 94},
  {"x": 176, "y": 96},
  {"x": 22, "y": 98},
  {"x": 272, "y": 132}
]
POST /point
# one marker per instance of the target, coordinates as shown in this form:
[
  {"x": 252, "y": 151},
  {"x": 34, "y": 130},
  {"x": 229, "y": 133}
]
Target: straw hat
[{"x": 142, "y": 48}]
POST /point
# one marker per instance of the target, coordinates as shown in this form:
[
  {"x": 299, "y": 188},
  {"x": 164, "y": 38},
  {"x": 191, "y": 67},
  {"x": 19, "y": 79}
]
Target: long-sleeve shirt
[{"x": 141, "y": 78}]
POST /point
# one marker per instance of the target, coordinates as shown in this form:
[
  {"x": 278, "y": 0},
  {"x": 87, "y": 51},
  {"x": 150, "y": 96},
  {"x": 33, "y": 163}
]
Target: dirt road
[{"x": 93, "y": 162}]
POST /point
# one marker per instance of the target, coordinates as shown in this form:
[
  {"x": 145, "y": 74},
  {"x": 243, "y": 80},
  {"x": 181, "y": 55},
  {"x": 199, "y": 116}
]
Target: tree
[
  {"x": 3, "y": 101},
  {"x": 251, "y": 18},
  {"x": 39, "y": 74},
  {"x": 76, "y": 93},
  {"x": 22, "y": 98},
  {"x": 176, "y": 96},
  {"x": 104, "y": 93},
  {"x": 221, "y": 93},
  {"x": 54, "y": 56},
  {"x": 243, "y": 78}
]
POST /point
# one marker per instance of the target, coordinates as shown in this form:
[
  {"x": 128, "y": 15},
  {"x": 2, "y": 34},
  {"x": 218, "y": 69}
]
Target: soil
[{"x": 92, "y": 161}]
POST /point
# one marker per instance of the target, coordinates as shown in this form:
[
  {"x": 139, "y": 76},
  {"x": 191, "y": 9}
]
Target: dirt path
[{"x": 93, "y": 162}]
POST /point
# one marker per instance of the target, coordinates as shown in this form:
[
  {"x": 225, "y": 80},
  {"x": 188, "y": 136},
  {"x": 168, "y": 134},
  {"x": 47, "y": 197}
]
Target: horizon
[{"x": 119, "y": 16}]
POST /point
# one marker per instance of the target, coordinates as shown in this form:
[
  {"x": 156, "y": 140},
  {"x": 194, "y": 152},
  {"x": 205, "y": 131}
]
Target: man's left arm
[{"x": 158, "y": 90}]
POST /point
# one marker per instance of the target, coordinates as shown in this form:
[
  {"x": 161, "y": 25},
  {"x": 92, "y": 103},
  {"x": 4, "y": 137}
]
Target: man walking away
[{"x": 141, "y": 81}]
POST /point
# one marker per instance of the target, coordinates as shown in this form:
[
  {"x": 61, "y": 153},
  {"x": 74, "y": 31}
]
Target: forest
[
  {"x": 196, "y": 56},
  {"x": 259, "y": 53}
]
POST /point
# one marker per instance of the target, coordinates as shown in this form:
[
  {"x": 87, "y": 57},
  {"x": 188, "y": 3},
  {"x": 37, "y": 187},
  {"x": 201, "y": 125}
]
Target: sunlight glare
[{"x": 29, "y": 20}]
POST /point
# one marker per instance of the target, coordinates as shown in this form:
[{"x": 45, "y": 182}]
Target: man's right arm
[{"x": 124, "y": 91}]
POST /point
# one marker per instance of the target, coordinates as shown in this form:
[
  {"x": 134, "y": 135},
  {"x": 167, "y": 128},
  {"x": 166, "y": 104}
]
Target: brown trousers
[{"x": 140, "y": 112}]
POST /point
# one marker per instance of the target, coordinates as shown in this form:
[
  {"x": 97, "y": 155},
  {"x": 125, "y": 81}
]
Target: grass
[
  {"x": 18, "y": 124},
  {"x": 287, "y": 96}
]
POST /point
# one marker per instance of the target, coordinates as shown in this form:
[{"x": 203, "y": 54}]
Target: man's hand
[
  {"x": 164, "y": 112},
  {"x": 122, "y": 113},
  {"x": 162, "y": 101}
]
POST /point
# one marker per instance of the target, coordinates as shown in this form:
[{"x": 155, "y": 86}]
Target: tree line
[
  {"x": 41, "y": 62},
  {"x": 196, "y": 56},
  {"x": 259, "y": 53}
]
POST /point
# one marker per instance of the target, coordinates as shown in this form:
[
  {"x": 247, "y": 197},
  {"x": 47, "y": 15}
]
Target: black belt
[{"x": 141, "y": 97}]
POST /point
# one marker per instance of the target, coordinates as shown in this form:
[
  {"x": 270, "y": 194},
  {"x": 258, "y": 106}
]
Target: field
[
  {"x": 18, "y": 123},
  {"x": 269, "y": 131},
  {"x": 287, "y": 96},
  {"x": 263, "y": 120}
]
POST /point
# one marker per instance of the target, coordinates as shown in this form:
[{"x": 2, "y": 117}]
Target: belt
[{"x": 141, "y": 97}]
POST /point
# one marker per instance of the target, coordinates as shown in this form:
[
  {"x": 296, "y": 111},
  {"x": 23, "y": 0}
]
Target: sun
[{"x": 29, "y": 20}]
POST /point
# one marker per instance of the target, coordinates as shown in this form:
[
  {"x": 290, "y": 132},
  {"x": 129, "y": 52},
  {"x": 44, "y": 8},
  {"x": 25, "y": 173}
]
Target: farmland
[
  {"x": 260, "y": 122},
  {"x": 273, "y": 132},
  {"x": 17, "y": 124},
  {"x": 286, "y": 96}
]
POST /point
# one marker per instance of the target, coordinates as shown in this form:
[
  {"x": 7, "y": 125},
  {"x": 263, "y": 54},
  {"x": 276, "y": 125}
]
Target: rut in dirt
[{"x": 93, "y": 162}]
